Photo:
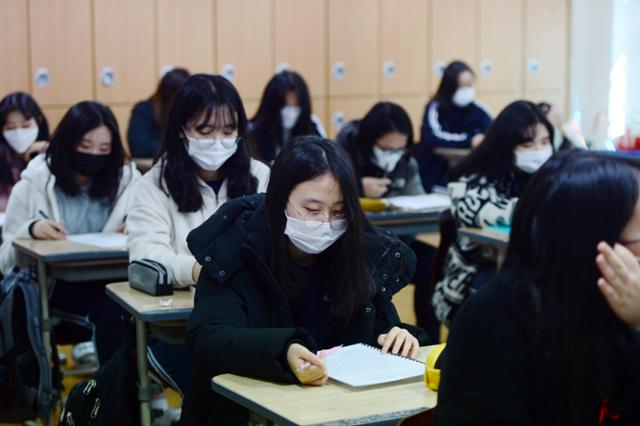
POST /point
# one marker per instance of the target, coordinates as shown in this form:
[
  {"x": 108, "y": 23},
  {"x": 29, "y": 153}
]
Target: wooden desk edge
[
  {"x": 97, "y": 254},
  {"x": 159, "y": 315}
]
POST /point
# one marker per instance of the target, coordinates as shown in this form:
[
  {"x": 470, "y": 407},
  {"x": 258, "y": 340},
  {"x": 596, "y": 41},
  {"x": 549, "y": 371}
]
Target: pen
[
  {"x": 326, "y": 352},
  {"x": 43, "y": 214}
]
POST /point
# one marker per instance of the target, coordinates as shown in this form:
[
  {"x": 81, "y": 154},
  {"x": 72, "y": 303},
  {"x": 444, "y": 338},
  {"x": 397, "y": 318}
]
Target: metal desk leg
[
  {"x": 45, "y": 319},
  {"x": 144, "y": 390}
]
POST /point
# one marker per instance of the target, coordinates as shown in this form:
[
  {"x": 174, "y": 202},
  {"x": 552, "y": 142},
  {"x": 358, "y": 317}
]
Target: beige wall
[{"x": 76, "y": 40}]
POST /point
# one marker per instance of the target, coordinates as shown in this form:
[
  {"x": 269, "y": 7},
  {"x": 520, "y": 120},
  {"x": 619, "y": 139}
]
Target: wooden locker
[
  {"x": 251, "y": 107},
  {"x": 500, "y": 66},
  {"x": 300, "y": 40},
  {"x": 495, "y": 102},
  {"x": 244, "y": 44},
  {"x": 123, "y": 113},
  {"x": 185, "y": 35},
  {"x": 124, "y": 50},
  {"x": 61, "y": 51},
  {"x": 405, "y": 27},
  {"x": 14, "y": 51},
  {"x": 414, "y": 105},
  {"x": 454, "y": 34},
  {"x": 354, "y": 65},
  {"x": 343, "y": 110},
  {"x": 546, "y": 44},
  {"x": 54, "y": 116},
  {"x": 557, "y": 97}
]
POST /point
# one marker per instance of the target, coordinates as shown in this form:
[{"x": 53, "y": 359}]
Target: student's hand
[
  {"x": 122, "y": 229},
  {"x": 195, "y": 272},
  {"x": 399, "y": 342},
  {"x": 477, "y": 140},
  {"x": 620, "y": 282},
  {"x": 47, "y": 229},
  {"x": 316, "y": 372},
  {"x": 375, "y": 187},
  {"x": 35, "y": 149}
]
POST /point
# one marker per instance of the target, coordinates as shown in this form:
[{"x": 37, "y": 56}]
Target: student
[
  {"x": 149, "y": 118},
  {"x": 289, "y": 274},
  {"x": 25, "y": 132},
  {"x": 203, "y": 163},
  {"x": 485, "y": 188},
  {"x": 81, "y": 185},
  {"x": 381, "y": 147},
  {"x": 284, "y": 113},
  {"x": 452, "y": 118},
  {"x": 550, "y": 341}
]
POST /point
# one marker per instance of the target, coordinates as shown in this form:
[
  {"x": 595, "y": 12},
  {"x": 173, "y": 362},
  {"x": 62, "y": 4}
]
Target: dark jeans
[
  {"x": 87, "y": 313},
  {"x": 172, "y": 362}
]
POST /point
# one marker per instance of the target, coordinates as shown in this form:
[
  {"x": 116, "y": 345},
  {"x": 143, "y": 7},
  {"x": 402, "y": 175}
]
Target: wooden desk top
[
  {"x": 68, "y": 251},
  {"x": 332, "y": 404},
  {"x": 486, "y": 236},
  {"x": 149, "y": 308}
]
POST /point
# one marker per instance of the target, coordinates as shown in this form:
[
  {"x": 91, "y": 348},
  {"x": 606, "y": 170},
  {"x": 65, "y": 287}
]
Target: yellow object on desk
[
  {"x": 431, "y": 373},
  {"x": 372, "y": 204}
]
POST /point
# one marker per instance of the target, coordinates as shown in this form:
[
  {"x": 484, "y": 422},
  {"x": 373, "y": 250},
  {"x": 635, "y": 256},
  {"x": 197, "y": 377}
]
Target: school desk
[
  {"x": 147, "y": 309},
  {"x": 332, "y": 404},
  {"x": 404, "y": 223},
  {"x": 488, "y": 237},
  {"x": 71, "y": 262}
]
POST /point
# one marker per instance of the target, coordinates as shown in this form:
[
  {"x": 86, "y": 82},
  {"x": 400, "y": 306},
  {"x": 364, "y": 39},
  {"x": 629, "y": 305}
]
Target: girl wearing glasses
[
  {"x": 286, "y": 275},
  {"x": 203, "y": 162}
]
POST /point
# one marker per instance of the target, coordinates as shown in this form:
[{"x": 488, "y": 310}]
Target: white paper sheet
[
  {"x": 420, "y": 202},
  {"x": 101, "y": 239}
]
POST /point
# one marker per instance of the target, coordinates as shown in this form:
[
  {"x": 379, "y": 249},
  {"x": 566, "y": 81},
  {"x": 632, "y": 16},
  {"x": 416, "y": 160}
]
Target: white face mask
[
  {"x": 210, "y": 154},
  {"x": 289, "y": 115},
  {"x": 314, "y": 237},
  {"x": 530, "y": 160},
  {"x": 387, "y": 160},
  {"x": 20, "y": 139},
  {"x": 464, "y": 96}
]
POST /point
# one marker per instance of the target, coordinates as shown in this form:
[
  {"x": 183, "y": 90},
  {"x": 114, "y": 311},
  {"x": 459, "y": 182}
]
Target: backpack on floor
[
  {"x": 25, "y": 371},
  {"x": 109, "y": 398}
]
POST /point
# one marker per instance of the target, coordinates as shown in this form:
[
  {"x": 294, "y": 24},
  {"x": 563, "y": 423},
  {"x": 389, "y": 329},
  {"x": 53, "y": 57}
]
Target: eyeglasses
[{"x": 314, "y": 219}]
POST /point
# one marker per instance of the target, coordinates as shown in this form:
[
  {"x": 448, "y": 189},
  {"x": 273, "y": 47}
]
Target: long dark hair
[
  {"x": 77, "y": 121},
  {"x": 344, "y": 263},
  {"x": 166, "y": 90},
  {"x": 556, "y": 228},
  {"x": 449, "y": 85},
  {"x": 382, "y": 119},
  {"x": 27, "y": 106},
  {"x": 268, "y": 122},
  {"x": 494, "y": 157},
  {"x": 204, "y": 95}
]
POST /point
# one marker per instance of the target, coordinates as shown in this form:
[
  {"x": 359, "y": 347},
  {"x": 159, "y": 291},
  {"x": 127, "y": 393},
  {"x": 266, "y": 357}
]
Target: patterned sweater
[{"x": 476, "y": 202}]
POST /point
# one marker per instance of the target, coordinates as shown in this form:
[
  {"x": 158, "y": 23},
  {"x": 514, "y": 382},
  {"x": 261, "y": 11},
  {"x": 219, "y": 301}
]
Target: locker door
[
  {"x": 343, "y": 110},
  {"x": 14, "y": 51}
]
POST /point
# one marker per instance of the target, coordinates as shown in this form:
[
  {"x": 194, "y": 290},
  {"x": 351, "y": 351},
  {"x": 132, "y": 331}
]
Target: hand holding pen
[{"x": 47, "y": 229}]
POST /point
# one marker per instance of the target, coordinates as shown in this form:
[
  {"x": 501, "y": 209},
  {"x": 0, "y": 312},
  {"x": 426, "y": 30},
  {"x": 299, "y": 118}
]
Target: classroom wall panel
[
  {"x": 14, "y": 50},
  {"x": 454, "y": 33},
  {"x": 414, "y": 105},
  {"x": 343, "y": 110},
  {"x": 300, "y": 40},
  {"x": 185, "y": 35},
  {"x": 244, "y": 44},
  {"x": 404, "y": 38},
  {"x": 61, "y": 51},
  {"x": 354, "y": 65},
  {"x": 122, "y": 113},
  {"x": 54, "y": 116},
  {"x": 500, "y": 49},
  {"x": 546, "y": 44},
  {"x": 124, "y": 50}
]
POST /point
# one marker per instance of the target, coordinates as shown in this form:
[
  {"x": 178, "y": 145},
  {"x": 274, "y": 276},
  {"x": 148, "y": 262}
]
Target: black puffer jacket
[{"x": 242, "y": 323}]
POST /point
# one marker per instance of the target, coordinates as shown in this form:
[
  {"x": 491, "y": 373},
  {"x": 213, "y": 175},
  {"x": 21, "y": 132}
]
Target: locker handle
[
  {"x": 42, "y": 78},
  {"x": 229, "y": 72},
  {"x": 338, "y": 120},
  {"x": 107, "y": 76},
  {"x": 533, "y": 67},
  {"x": 486, "y": 67},
  {"x": 389, "y": 69},
  {"x": 339, "y": 70}
]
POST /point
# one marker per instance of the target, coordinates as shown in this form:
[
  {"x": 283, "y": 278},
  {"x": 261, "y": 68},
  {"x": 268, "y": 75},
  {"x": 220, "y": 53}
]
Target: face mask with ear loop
[
  {"x": 211, "y": 153},
  {"x": 314, "y": 237},
  {"x": 530, "y": 160}
]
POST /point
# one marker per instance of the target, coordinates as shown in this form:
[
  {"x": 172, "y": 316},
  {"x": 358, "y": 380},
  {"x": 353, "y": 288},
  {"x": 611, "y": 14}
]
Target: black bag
[
  {"x": 29, "y": 386},
  {"x": 110, "y": 398}
]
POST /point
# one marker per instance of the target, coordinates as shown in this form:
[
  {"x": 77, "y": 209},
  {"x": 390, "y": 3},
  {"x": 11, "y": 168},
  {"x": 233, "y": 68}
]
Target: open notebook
[
  {"x": 101, "y": 239},
  {"x": 361, "y": 365}
]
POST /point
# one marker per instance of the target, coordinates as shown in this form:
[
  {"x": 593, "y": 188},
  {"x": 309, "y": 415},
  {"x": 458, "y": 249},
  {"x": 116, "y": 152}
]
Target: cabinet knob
[
  {"x": 339, "y": 70},
  {"x": 533, "y": 67},
  {"x": 438, "y": 68},
  {"x": 486, "y": 67},
  {"x": 229, "y": 72},
  {"x": 389, "y": 69},
  {"x": 41, "y": 78},
  {"x": 107, "y": 76},
  {"x": 338, "y": 120}
]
